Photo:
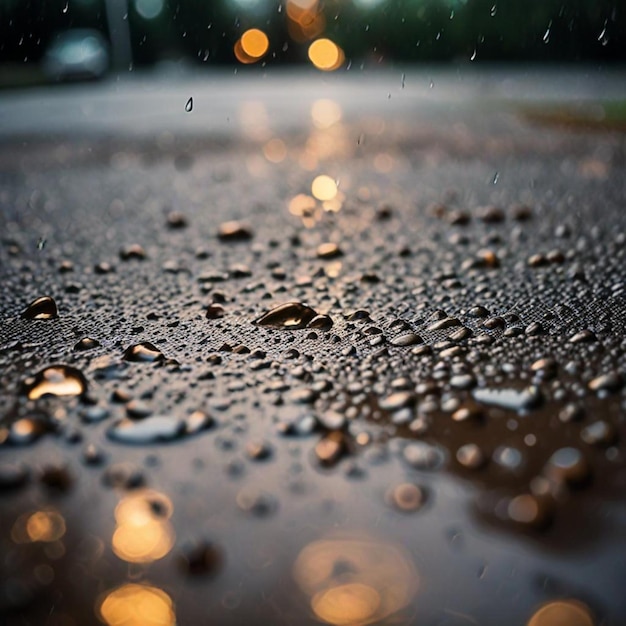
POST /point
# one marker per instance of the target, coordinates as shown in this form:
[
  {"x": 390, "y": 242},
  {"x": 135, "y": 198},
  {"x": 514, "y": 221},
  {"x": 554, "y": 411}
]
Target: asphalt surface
[{"x": 443, "y": 446}]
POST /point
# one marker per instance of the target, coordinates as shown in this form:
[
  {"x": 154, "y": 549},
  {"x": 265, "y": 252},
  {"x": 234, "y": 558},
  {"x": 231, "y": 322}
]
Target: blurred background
[{"x": 63, "y": 40}]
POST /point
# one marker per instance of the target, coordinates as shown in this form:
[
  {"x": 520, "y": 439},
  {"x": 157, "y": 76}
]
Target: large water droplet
[
  {"x": 157, "y": 429},
  {"x": 189, "y": 105},
  {"x": 143, "y": 352},
  {"x": 291, "y": 315},
  {"x": 43, "y": 308},
  {"x": 56, "y": 380},
  {"x": 514, "y": 399}
]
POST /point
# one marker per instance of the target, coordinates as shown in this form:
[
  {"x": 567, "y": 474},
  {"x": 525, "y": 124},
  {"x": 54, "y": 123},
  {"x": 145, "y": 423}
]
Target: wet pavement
[{"x": 313, "y": 349}]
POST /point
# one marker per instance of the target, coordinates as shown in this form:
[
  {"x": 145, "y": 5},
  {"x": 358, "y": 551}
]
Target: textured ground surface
[{"x": 449, "y": 452}]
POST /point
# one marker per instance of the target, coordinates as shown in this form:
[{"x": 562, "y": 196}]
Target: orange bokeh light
[
  {"x": 326, "y": 55},
  {"x": 251, "y": 46}
]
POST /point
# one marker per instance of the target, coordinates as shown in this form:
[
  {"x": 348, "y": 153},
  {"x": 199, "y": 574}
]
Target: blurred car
[{"x": 77, "y": 54}]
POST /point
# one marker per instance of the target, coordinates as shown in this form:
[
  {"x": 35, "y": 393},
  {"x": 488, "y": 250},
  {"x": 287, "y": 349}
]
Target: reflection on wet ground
[{"x": 368, "y": 372}]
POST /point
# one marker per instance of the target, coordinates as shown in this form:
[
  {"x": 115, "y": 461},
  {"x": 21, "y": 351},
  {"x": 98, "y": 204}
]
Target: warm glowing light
[
  {"x": 302, "y": 205},
  {"x": 143, "y": 506},
  {"x": 143, "y": 543},
  {"x": 275, "y": 150},
  {"x": 45, "y": 526},
  {"x": 383, "y": 162},
  {"x": 325, "y": 113},
  {"x": 355, "y": 580},
  {"x": 143, "y": 532},
  {"x": 254, "y": 43},
  {"x": 324, "y": 187},
  {"x": 326, "y": 55},
  {"x": 346, "y": 604},
  {"x": 251, "y": 46},
  {"x": 137, "y": 605},
  {"x": 334, "y": 205},
  {"x": 562, "y": 613},
  {"x": 303, "y": 5},
  {"x": 305, "y": 20}
]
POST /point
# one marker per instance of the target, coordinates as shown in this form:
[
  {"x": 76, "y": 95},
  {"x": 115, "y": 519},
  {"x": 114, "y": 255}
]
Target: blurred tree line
[{"x": 376, "y": 31}]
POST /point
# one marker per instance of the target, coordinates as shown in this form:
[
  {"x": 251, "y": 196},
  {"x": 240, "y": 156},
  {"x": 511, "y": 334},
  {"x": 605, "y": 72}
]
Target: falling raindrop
[
  {"x": 473, "y": 57},
  {"x": 189, "y": 105}
]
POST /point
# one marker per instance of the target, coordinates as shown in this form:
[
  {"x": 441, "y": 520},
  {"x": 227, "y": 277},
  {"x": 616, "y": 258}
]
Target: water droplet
[
  {"x": 56, "y": 380},
  {"x": 513, "y": 399},
  {"x": 291, "y": 316},
  {"x": 473, "y": 57},
  {"x": 56, "y": 477},
  {"x": 197, "y": 422},
  {"x": 423, "y": 456},
  {"x": 330, "y": 449},
  {"x": 123, "y": 475},
  {"x": 157, "y": 429},
  {"x": 41, "y": 243},
  {"x": 406, "y": 497},
  {"x": 509, "y": 458},
  {"x": 612, "y": 381},
  {"x": 546, "y": 35},
  {"x": 398, "y": 400},
  {"x": 600, "y": 433},
  {"x": 447, "y": 322},
  {"x": 201, "y": 558},
  {"x": 471, "y": 456},
  {"x": 86, "y": 343},
  {"x": 403, "y": 81},
  {"x": 66, "y": 6},
  {"x": 234, "y": 231},
  {"x": 409, "y": 339},
  {"x": 528, "y": 510},
  {"x": 583, "y": 336},
  {"x": 321, "y": 322},
  {"x": 175, "y": 219},
  {"x": 13, "y": 476},
  {"x": 328, "y": 251},
  {"x": 43, "y": 308},
  {"x": 143, "y": 352},
  {"x": 256, "y": 502},
  {"x": 259, "y": 450},
  {"x": 189, "y": 105},
  {"x": 567, "y": 465},
  {"x": 462, "y": 381},
  {"x": 133, "y": 251}
]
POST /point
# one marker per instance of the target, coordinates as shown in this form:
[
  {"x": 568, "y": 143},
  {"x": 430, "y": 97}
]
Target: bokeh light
[
  {"x": 324, "y": 187},
  {"x": 251, "y": 46},
  {"x": 326, "y": 55},
  {"x": 144, "y": 533},
  {"x": 356, "y": 579},
  {"x": 137, "y": 605}
]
